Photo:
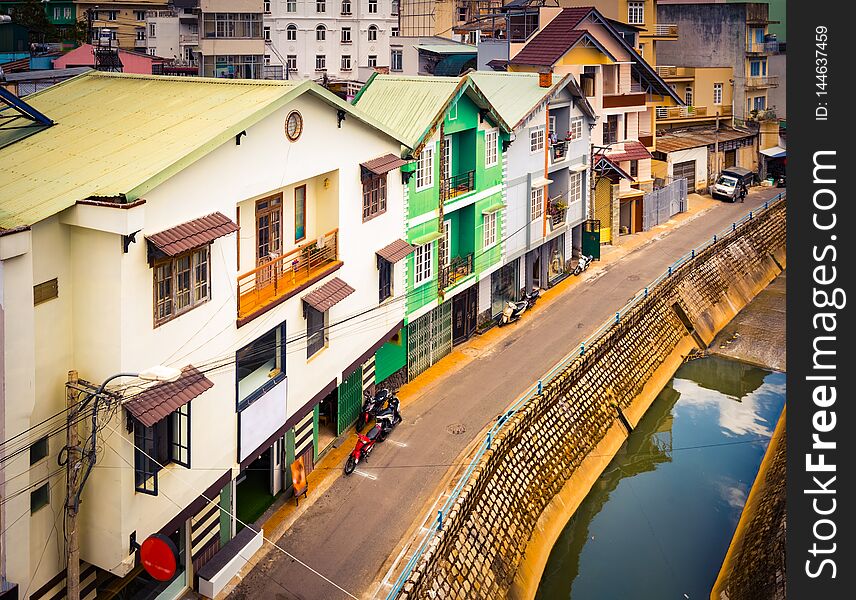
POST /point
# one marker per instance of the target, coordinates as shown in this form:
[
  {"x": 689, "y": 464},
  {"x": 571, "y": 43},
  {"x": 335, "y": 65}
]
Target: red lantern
[{"x": 159, "y": 557}]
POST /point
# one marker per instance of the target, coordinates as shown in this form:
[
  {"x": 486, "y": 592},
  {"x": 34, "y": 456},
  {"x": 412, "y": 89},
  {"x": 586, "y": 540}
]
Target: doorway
[
  {"x": 328, "y": 419},
  {"x": 259, "y": 485},
  {"x": 464, "y": 309}
]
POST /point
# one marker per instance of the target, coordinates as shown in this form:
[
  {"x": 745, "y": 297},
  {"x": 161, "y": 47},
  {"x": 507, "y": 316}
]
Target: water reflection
[{"x": 658, "y": 521}]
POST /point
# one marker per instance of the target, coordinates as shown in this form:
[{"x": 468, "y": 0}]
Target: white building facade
[
  {"x": 342, "y": 39},
  {"x": 243, "y": 283}
]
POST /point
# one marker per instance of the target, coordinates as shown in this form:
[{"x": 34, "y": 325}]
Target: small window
[
  {"x": 346, "y": 35},
  {"x": 453, "y": 112},
  {"x": 636, "y": 13},
  {"x": 422, "y": 263},
  {"x": 536, "y": 139},
  {"x": 40, "y": 497},
  {"x": 181, "y": 284},
  {"x": 372, "y": 60},
  {"x": 321, "y": 6},
  {"x": 266, "y": 33},
  {"x": 39, "y": 450},
  {"x": 374, "y": 196},
  {"x": 634, "y": 168},
  {"x": 260, "y": 365},
  {"x": 346, "y": 62},
  {"x": 447, "y": 242},
  {"x": 575, "y": 187},
  {"x": 167, "y": 441},
  {"x": 346, "y": 7},
  {"x": 320, "y": 33},
  {"x": 372, "y": 33},
  {"x": 393, "y": 32},
  {"x": 42, "y": 292},
  {"x": 291, "y": 62},
  {"x": 152, "y": 30},
  {"x": 537, "y": 202},
  {"x": 140, "y": 15},
  {"x": 112, "y": 15},
  {"x": 384, "y": 274},
  {"x": 372, "y": 7},
  {"x": 575, "y": 131},
  {"x": 320, "y": 62},
  {"x": 266, "y": 6},
  {"x": 688, "y": 96},
  {"x": 395, "y": 60},
  {"x": 610, "y": 129},
  {"x": 291, "y": 33},
  {"x": 491, "y": 148},
  {"x": 425, "y": 169},
  {"x": 316, "y": 334},
  {"x": 717, "y": 93},
  {"x": 490, "y": 229},
  {"x": 291, "y": 6}
]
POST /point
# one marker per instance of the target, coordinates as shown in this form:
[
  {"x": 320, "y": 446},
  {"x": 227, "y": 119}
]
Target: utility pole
[{"x": 73, "y": 467}]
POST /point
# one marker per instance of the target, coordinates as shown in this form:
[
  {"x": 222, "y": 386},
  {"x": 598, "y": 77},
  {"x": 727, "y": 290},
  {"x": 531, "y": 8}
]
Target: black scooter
[
  {"x": 388, "y": 418},
  {"x": 372, "y": 405}
]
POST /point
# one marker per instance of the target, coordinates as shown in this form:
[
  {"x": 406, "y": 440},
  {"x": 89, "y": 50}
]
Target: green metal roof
[
  {"x": 516, "y": 95},
  {"x": 121, "y": 135},
  {"x": 448, "y": 48},
  {"x": 412, "y": 106}
]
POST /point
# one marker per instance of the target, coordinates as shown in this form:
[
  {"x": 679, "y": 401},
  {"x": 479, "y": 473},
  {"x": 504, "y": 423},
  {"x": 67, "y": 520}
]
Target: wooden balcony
[
  {"x": 666, "y": 113},
  {"x": 281, "y": 277},
  {"x": 759, "y": 83}
]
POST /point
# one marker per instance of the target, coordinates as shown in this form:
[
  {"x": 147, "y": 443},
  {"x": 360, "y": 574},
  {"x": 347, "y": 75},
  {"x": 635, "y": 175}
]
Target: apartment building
[
  {"x": 338, "y": 41},
  {"x": 546, "y": 183},
  {"x": 173, "y": 34},
  {"x": 231, "y": 42},
  {"x": 164, "y": 252},
  {"x": 123, "y": 23}
]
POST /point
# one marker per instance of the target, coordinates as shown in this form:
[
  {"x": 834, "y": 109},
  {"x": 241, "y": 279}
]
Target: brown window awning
[
  {"x": 395, "y": 251},
  {"x": 383, "y": 164},
  {"x": 195, "y": 233},
  {"x": 329, "y": 294},
  {"x": 155, "y": 403}
]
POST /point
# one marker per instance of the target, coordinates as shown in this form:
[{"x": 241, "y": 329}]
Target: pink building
[{"x": 132, "y": 62}]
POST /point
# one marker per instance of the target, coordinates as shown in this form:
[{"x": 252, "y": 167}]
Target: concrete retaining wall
[{"x": 496, "y": 539}]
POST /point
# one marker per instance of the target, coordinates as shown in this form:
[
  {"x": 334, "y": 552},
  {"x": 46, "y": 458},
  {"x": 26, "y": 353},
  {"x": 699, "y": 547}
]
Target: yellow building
[{"x": 125, "y": 21}]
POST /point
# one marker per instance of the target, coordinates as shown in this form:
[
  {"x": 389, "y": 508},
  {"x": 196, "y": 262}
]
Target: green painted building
[
  {"x": 57, "y": 24},
  {"x": 453, "y": 206}
]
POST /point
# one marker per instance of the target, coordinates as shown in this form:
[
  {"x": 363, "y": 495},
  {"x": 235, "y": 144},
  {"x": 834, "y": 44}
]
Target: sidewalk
[{"x": 372, "y": 505}]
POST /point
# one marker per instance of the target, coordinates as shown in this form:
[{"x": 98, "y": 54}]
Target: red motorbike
[{"x": 365, "y": 444}]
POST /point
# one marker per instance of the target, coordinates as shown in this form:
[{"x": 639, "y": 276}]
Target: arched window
[
  {"x": 688, "y": 96},
  {"x": 291, "y": 33},
  {"x": 320, "y": 33},
  {"x": 372, "y": 33}
]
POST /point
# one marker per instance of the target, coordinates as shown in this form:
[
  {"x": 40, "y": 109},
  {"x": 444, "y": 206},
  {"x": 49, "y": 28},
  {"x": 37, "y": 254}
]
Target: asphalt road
[{"x": 350, "y": 531}]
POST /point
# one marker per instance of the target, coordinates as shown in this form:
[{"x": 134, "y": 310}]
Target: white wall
[{"x": 699, "y": 155}]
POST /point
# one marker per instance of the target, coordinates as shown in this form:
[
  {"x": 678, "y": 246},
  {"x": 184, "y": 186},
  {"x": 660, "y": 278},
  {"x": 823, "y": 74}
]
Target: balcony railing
[
  {"x": 458, "y": 268},
  {"x": 665, "y": 30},
  {"x": 557, "y": 213},
  {"x": 188, "y": 38},
  {"x": 753, "y": 47},
  {"x": 457, "y": 185},
  {"x": 762, "y": 82},
  {"x": 558, "y": 151},
  {"x": 273, "y": 72},
  {"x": 139, "y": 43},
  {"x": 280, "y": 277},
  {"x": 692, "y": 112}
]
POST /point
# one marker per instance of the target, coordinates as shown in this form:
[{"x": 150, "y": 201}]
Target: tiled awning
[
  {"x": 155, "y": 403},
  {"x": 329, "y": 294},
  {"x": 395, "y": 251},
  {"x": 195, "y": 233},
  {"x": 632, "y": 151},
  {"x": 383, "y": 164}
]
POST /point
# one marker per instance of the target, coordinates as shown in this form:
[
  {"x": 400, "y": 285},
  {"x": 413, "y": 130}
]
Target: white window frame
[
  {"x": 393, "y": 32},
  {"x": 425, "y": 169},
  {"x": 291, "y": 6},
  {"x": 423, "y": 264},
  {"x": 453, "y": 112},
  {"x": 636, "y": 13},
  {"x": 536, "y": 139},
  {"x": 717, "y": 93},
  {"x": 575, "y": 187},
  {"x": 396, "y": 60},
  {"x": 372, "y": 7},
  {"x": 266, "y": 33},
  {"x": 346, "y": 35},
  {"x": 371, "y": 33},
  {"x": 320, "y": 33},
  {"x": 447, "y": 236},
  {"x": 537, "y": 209},
  {"x": 447, "y": 150},
  {"x": 489, "y": 237},
  {"x": 291, "y": 62},
  {"x": 491, "y": 148},
  {"x": 346, "y": 62},
  {"x": 372, "y": 60},
  {"x": 320, "y": 62},
  {"x": 576, "y": 128},
  {"x": 688, "y": 96},
  {"x": 552, "y": 119},
  {"x": 291, "y": 32},
  {"x": 320, "y": 6}
]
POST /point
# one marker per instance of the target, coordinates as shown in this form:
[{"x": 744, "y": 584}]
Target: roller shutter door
[{"x": 685, "y": 169}]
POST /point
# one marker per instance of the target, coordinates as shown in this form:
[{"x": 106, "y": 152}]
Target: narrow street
[{"x": 348, "y": 534}]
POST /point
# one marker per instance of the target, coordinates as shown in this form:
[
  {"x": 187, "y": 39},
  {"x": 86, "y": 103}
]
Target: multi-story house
[
  {"x": 231, "y": 40},
  {"x": 546, "y": 186},
  {"x": 173, "y": 34},
  {"x": 454, "y": 203},
  {"x": 117, "y": 257},
  {"x": 623, "y": 90},
  {"x": 340, "y": 41},
  {"x": 120, "y": 21}
]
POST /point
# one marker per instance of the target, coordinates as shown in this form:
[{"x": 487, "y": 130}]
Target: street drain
[
  {"x": 633, "y": 278},
  {"x": 456, "y": 428}
]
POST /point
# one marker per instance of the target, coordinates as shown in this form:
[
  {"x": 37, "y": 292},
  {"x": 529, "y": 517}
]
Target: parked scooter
[
  {"x": 781, "y": 182},
  {"x": 388, "y": 418},
  {"x": 365, "y": 444},
  {"x": 513, "y": 310},
  {"x": 372, "y": 405},
  {"x": 583, "y": 264}
]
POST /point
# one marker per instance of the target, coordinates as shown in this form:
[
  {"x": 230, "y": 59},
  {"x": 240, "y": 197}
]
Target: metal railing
[
  {"x": 665, "y": 29},
  {"x": 433, "y": 523},
  {"x": 762, "y": 47},
  {"x": 188, "y": 38},
  {"x": 279, "y": 275},
  {"x": 458, "y": 268},
  {"x": 459, "y": 184},
  {"x": 762, "y": 82},
  {"x": 692, "y": 112}
]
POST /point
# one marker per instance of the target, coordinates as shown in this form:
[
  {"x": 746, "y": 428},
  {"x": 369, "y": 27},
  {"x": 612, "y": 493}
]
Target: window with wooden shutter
[{"x": 48, "y": 290}]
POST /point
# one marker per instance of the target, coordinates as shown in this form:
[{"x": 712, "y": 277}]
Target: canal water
[{"x": 658, "y": 522}]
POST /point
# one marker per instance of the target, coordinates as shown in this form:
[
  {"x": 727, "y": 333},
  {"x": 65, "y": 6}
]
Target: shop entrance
[
  {"x": 328, "y": 419},
  {"x": 259, "y": 484}
]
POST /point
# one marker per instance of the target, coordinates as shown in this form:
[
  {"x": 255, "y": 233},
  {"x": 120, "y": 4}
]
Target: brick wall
[{"x": 485, "y": 535}]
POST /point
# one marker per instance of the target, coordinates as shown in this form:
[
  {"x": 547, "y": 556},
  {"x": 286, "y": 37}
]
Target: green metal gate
[
  {"x": 350, "y": 400},
  {"x": 591, "y": 238},
  {"x": 429, "y": 338}
]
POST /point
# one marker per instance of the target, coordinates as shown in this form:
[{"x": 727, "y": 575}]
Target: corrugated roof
[
  {"x": 514, "y": 95},
  {"x": 412, "y": 106},
  {"x": 195, "y": 233},
  {"x": 383, "y": 164},
  {"x": 554, "y": 40},
  {"x": 448, "y": 48},
  {"x": 454, "y": 64},
  {"x": 632, "y": 151},
  {"x": 329, "y": 294},
  {"x": 695, "y": 139},
  {"x": 121, "y": 135},
  {"x": 395, "y": 251},
  {"x": 155, "y": 403}
]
